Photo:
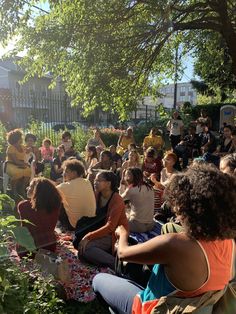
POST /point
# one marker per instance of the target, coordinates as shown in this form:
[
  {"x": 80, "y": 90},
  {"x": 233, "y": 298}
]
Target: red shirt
[
  {"x": 154, "y": 167},
  {"x": 43, "y": 226}
]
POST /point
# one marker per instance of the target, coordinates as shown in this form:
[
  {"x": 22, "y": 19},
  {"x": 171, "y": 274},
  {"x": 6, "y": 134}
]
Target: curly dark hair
[
  {"x": 230, "y": 161},
  {"x": 14, "y": 136},
  {"x": 66, "y": 134},
  {"x": 205, "y": 198},
  {"x": 30, "y": 136},
  {"x": 45, "y": 195},
  {"x": 74, "y": 165}
]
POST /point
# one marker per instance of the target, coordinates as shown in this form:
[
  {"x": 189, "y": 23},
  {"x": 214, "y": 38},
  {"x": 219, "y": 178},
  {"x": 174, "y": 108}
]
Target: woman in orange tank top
[{"x": 190, "y": 263}]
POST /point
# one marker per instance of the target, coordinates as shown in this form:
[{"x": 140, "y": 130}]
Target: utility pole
[{"x": 176, "y": 76}]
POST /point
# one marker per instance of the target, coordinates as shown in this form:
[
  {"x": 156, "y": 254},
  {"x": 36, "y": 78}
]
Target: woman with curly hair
[
  {"x": 187, "y": 264},
  {"x": 42, "y": 211},
  {"x": 16, "y": 167},
  {"x": 228, "y": 164}
]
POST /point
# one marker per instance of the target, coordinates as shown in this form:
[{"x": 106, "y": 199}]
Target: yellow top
[
  {"x": 12, "y": 150},
  {"x": 125, "y": 141},
  {"x": 155, "y": 141}
]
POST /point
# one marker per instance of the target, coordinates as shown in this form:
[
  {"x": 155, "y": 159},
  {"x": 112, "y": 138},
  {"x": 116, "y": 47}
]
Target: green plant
[
  {"x": 21, "y": 291},
  {"x": 10, "y": 228},
  {"x": 110, "y": 136},
  {"x": 3, "y": 142},
  {"x": 26, "y": 292}
]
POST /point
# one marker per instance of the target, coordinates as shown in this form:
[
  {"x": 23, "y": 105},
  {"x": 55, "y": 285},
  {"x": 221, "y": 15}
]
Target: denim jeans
[{"x": 117, "y": 293}]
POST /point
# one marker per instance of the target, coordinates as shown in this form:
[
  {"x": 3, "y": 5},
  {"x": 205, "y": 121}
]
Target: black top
[{"x": 56, "y": 162}]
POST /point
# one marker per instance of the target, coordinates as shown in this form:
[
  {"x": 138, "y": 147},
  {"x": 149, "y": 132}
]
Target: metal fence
[{"x": 46, "y": 108}]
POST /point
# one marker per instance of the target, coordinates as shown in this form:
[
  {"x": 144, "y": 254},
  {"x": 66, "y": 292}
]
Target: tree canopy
[{"x": 110, "y": 53}]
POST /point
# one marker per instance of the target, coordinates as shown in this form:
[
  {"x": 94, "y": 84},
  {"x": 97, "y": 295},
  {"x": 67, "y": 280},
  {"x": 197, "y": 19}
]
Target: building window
[
  {"x": 182, "y": 89},
  {"x": 181, "y": 98}
]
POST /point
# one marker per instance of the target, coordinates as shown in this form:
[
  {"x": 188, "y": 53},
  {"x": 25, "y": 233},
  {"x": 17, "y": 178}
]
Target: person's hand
[
  {"x": 153, "y": 178},
  {"x": 121, "y": 231},
  {"x": 82, "y": 245}
]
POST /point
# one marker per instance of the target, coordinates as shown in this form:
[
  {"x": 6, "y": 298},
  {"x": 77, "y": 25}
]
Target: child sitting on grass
[{"x": 47, "y": 151}]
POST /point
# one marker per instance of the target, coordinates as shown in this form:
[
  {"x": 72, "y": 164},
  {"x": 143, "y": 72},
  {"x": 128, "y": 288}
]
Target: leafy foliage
[
  {"x": 109, "y": 53},
  {"x": 2, "y": 136},
  {"x": 213, "y": 58},
  {"x": 10, "y": 229},
  {"x": 20, "y": 292}
]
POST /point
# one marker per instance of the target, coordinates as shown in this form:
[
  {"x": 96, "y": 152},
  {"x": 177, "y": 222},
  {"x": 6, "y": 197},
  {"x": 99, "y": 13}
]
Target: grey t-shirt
[{"x": 142, "y": 203}]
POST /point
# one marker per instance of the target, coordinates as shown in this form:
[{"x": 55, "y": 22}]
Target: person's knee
[{"x": 99, "y": 282}]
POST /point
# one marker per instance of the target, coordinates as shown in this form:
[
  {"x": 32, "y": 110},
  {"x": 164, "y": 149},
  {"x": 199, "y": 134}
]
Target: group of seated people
[{"x": 202, "y": 200}]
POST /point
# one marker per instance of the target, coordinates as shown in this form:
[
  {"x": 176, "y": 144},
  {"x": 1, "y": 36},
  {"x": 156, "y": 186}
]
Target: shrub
[
  {"x": 21, "y": 292},
  {"x": 3, "y": 142},
  {"x": 110, "y": 136}
]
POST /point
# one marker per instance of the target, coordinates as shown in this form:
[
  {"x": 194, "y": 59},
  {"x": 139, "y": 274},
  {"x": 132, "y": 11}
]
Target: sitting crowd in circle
[{"x": 192, "y": 186}]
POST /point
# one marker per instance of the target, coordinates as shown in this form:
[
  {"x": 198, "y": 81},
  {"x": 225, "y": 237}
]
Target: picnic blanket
[
  {"x": 80, "y": 286},
  {"x": 145, "y": 236}
]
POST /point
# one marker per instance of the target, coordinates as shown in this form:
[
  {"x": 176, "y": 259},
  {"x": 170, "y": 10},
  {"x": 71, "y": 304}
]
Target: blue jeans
[{"x": 118, "y": 293}]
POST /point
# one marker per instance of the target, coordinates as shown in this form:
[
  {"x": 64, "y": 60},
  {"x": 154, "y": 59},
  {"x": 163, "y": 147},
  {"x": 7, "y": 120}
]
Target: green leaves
[
  {"x": 110, "y": 53},
  {"x": 23, "y": 238}
]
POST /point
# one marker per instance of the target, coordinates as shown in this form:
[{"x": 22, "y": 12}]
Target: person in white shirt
[
  {"x": 141, "y": 198},
  {"x": 176, "y": 127},
  {"x": 78, "y": 196}
]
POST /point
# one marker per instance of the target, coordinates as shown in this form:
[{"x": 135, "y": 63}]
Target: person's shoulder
[
  {"x": 116, "y": 198},
  {"x": 24, "y": 205},
  {"x": 63, "y": 185},
  {"x": 10, "y": 149},
  {"x": 86, "y": 182}
]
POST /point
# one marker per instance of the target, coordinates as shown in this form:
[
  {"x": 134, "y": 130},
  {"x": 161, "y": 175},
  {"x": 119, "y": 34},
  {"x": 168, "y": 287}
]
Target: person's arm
[
  {"x": 93, "y": 162},
  {"x": 126, "y": 194},
  {"x": 159, "y": 250},
  {"x": 96, "y": 166},
  {"x": 133, "y": 140},
  {"x": 51, "y": 151},
  {"x": 116, "y": 208},
  {"x": 168, "y": 125},
  {"x": 56, "y": 167},
  {"x": 145, "y": 145},
  {"x": 209, "y": 122},
  {"x": 101, "y": 143},
  {"x": 156, "y": 183},
  {"x": 37, "y": 154},
  {"x": 181, "y": 129},
  {"x": 120, "y": 140}
]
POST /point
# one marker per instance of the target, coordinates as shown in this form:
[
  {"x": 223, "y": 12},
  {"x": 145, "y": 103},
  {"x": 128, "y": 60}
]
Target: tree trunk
[{"x": 227, "y": 31}]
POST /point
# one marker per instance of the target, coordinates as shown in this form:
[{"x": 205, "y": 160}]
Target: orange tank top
[{"x": 219, "y": 256}]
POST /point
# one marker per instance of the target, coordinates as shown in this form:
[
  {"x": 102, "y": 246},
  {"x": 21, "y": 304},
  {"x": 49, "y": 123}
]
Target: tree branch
[{"x": 197, "y": 24}]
